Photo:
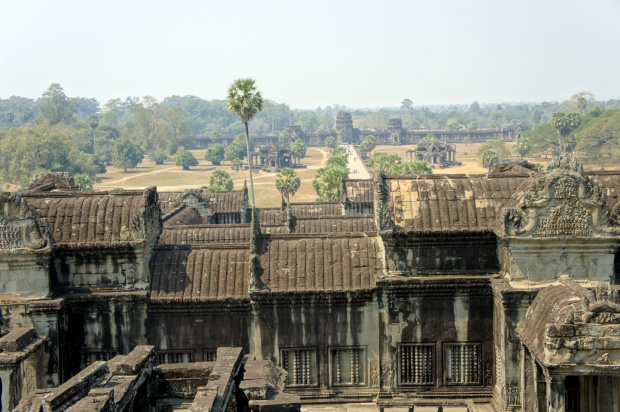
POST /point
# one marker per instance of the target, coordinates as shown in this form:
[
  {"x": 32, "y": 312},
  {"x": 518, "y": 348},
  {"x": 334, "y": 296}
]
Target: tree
[
  {"x": 232, "y": 152},
  {"x": 42, "y": 147},
  {"x": 418, "y": 167},
  {"x": 245, "y": 101},
  {"x": 308, "y": 121},
  {"x": 523, "y": 146},
  {"x": 489, "y": 158},
  {"x": 284, "y": 137},
  {"x": 498, "y": 146},
  {"x": 126, "y": 154},
  {"x": 236, "y": 164},
  {"x": 453, "y": 126},
  {"x": 27, "y": 114},
  {"x": 327, "y": 121},
  {"x": 84, "y": 182},
  {"x": 215, "y": 154},
  {"x": 338, "y": 160},
  {"x": 330, "y": 141},
  {"x": 339, "y": 151},
  {"x": 368, "y": 145},
  {"x": 467, "y": 140},
  {"x": 475, "y": 107},
  {"x": 179, "y": 124},
  {"x": 220, "y": 181},
  {"x": 54, "y": 104},
  {"x": 473, "y": 125},
  {"x": 9, "y": 117},
  {"x": 430, "y": 138},
  {"x": 213, "y": 135},
  {"x": 159, "y": 156},
  {"x": 387, "y": 163},
  {"x": 406, "y": 105},
  {"x": 298, "y": 149},
  {"x": 287, "y": 183},
  {"x": 185, "y": 159},
  {"x": 327, "y": 182},
  {"x": 93, "y": 122},
  {"x": 565, "y": 124}
]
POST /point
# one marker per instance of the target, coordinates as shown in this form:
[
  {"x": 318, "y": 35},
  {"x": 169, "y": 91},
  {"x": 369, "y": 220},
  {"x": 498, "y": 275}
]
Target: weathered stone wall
[
  {"x": 320, "y": 324},
  {"x": 438, "y": 313},
  {"x": 113, "y": 268},
  {"x": 441, "y": 253},
  {"x": 100, "y": 326},
  {"x": 198, "y": 330}
]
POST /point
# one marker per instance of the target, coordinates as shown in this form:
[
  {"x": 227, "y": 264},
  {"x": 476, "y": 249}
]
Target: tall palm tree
[
  {"x": 245, "y": 101},
  {"x": 287, "y": 183}
]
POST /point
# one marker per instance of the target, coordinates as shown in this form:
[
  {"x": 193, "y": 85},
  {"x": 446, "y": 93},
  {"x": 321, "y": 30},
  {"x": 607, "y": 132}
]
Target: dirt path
[{"x": 139, "y": 174}]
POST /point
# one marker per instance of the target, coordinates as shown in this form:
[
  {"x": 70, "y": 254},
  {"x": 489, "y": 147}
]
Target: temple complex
[
  {"x": 273, "y": 157},
  {"x": 487, "y": 292},
  {"x": 435, "y": 153},
  {"x": 395, "y": 134}
]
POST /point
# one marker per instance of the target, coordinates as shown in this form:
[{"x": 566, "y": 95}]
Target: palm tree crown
[
  {"x": 287, "y": 182},
  {"x": 244, "y": 100}
]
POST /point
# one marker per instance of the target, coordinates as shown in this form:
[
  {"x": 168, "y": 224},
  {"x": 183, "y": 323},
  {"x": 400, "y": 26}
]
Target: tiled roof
[
  {"x": 449, "y": 202},
  {"x": 92, "y": 217},
  {"x": 193, "y": 274},
  {"x": 293, "y": 264},
  {"x": 205, "y": 234},
  {"x": 359, "y": 190},
  {"x": 335, "y": 224},
  {"x": 317, "y": 209},
  {"x": 232, "y": 201}
]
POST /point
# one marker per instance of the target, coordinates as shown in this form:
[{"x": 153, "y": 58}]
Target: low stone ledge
[
  {"x": 140, "y": 357},
  {"x": 227, "y": 359},
  {"x": 283, "y": 402},
  {"x": 207, "y": 400},
  {"x": 98, "y": 400},
  {"x": 76, "y": 387},
  {"x": 17, "y": 339}
]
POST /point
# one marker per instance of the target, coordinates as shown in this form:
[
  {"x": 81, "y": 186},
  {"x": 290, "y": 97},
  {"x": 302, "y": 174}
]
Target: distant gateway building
[{"x": 491, "y": 292}]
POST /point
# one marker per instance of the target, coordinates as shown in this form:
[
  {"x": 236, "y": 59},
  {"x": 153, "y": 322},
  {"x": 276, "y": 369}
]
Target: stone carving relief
[
  {"x": 389, "y": 373},
  {"x": 562, "y": 203},
  {"x": 488, "y": 374},
  {"x": 19, "y": 227},
  {"x": 374, "y": 374},
  {"x": 514, "y": 393}
]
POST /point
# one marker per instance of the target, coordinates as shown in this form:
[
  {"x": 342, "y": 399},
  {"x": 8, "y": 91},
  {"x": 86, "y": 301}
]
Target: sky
[{"x": 362, "y": 53}]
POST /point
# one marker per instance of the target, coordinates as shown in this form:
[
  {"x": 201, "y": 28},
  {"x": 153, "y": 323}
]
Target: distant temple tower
[
  {"x": 395, "y": 126},
  {"x": 344, "y": 127}
]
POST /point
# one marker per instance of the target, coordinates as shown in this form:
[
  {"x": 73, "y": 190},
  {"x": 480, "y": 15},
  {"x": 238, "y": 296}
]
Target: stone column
[{"x": 556, "y": 394}]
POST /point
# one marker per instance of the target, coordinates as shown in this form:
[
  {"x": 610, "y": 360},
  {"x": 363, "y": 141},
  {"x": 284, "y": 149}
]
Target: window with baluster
[
  {"x": 301, "y": 366},
  {"x": 174, "y": 356},
  {"x": 462, "y": 363},
  {"x": 348, "y": 366},
  {"x": 416, "y": 364}
]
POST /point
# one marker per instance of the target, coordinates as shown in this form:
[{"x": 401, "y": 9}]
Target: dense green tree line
[{"x": 597, "y": 134}]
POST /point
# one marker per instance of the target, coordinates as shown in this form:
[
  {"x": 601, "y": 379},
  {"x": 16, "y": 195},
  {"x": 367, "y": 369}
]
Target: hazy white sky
[{"x": 314, "y": 53}]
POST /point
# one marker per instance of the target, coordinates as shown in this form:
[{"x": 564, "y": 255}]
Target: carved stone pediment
[
  {"x": 194, "y": 198},
  {"x": 562, "y": 203},
  {"x": 46, "y": 181},
  {"x": 20, "y": 229}
]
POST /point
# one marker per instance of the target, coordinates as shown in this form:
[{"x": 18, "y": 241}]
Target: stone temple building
[
  {"x": 490, "y": 292},
  {"x": 434, "y": 152}
]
